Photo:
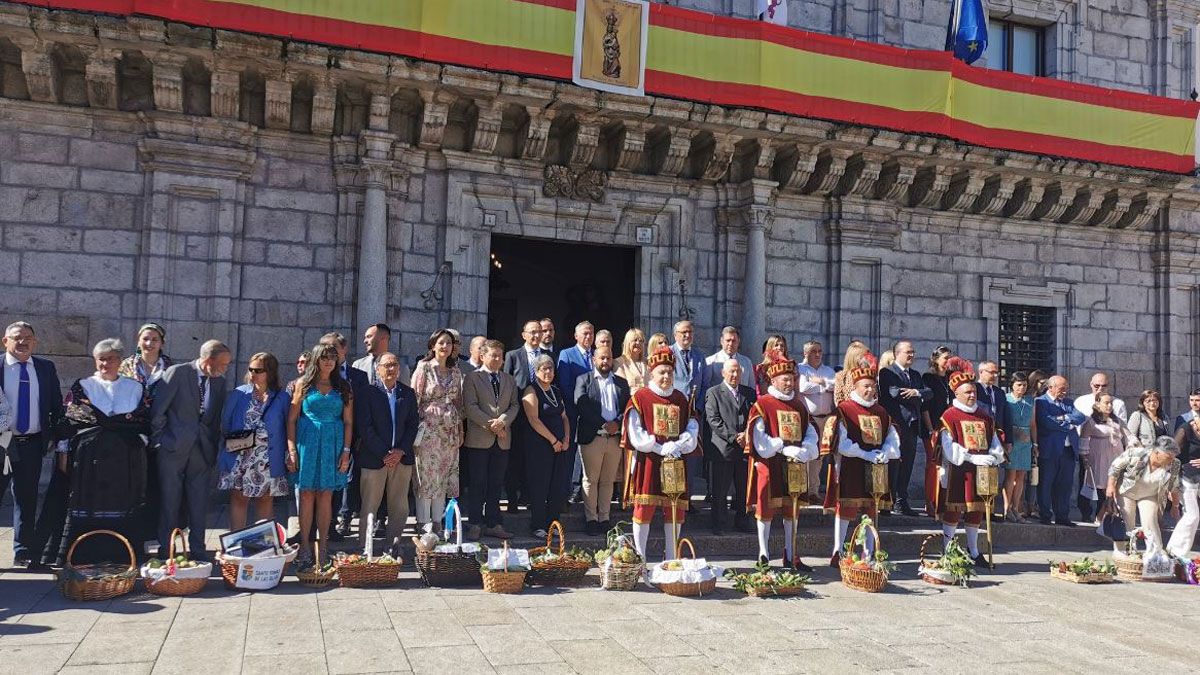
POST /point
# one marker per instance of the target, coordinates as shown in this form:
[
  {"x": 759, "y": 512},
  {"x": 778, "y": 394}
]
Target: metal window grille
[{"x": 1026, "y": 339}]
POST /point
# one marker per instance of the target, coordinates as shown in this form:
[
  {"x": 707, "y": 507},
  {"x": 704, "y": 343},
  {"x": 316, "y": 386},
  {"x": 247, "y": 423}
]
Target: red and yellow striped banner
[{"x": 735, "y": 62}]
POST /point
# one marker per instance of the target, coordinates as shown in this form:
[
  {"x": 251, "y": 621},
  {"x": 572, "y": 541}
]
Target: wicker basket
[
  {"x": 929, "y": 571},
  {"x": 314, "y": 577},
  {"x": 173, "y": 585},
  {"x": 369, "y": 574},
  {"x": 774, "y": 591},
  {"x": 229, "y": 569},
  {"x": 868, "y": 580},
  {"x": 684, "y": 589},
  {"x": 618, "y": 576},
  {"x": 449, "y": 569},
  {"x": 1129, "y": 569},
  {"x": 85, "y": 583},
  {"x": 560, "y": 572},
  {"x": 503, "y": 581},
  {"x": 1090, "y": 578}
]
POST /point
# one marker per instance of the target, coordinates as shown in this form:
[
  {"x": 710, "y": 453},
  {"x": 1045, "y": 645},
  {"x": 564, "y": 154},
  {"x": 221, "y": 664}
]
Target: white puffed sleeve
[
  {"x": 639, "y": 438},
  {"x": 766, "y": 446}
]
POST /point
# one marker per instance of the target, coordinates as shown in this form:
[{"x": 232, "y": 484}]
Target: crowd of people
[{"x": 140, "y": 444}]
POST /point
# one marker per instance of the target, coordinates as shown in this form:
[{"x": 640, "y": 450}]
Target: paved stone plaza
[{"x": 1032, "y": 624}]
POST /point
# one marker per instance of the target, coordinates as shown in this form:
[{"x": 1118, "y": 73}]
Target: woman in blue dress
[
  {"x": 1020, "y": 460},
  {"x": 320, "y": 424}
]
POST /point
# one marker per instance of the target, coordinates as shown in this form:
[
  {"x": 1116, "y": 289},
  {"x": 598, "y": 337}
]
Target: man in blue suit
[
  {"x": 34, "y": 395},
  {"x": 386, "y": 417},
  {"x": 691, "y": 378},
  {"x": 573, "y": 362},
  {"x": 1056, "y": 449}
]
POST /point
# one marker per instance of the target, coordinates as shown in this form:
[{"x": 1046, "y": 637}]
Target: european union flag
[{"x": 967, "y": 35}]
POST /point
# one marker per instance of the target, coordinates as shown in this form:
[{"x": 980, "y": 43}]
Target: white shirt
[
  {"x": 716, "y": 366},
  {"x": 1084, "y": 405},
  {"x": 956, "y": 454},
  {"x": 846, "y": 447},
  {"x": 608, "y": 396},
  {"x": 767, "y": 446},
  {"x": 818, "y": 397},
  {"x": 12, "y": 384},
  {"x": 204, "y": 382},
  {"x": 113, "y": 397}
]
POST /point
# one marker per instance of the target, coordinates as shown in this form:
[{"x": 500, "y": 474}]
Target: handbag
[
  {"x": 238, "y": 441},
  {"x": 1112, "y": 523},
  {"x": 1088, "y": 489}
]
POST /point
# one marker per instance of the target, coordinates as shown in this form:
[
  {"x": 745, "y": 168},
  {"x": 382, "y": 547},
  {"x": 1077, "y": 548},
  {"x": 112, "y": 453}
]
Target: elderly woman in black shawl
[{"x": 107, "y": 423}]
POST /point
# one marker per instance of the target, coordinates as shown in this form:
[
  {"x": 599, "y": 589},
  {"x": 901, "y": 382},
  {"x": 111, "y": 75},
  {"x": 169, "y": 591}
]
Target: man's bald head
[{"x": 1056, "y": 386}]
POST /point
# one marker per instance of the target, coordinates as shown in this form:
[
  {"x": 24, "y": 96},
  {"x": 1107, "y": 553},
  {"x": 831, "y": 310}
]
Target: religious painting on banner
[{"x": 610, "y": 45}]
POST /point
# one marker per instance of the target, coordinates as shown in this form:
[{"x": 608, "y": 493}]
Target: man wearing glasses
[
  {"x": 1099, "y": 384},
  {"x": 992, "y": 400}
]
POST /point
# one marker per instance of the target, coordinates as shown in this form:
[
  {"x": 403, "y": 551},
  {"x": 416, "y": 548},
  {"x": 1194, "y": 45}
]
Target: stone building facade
[{"x": 264, "y": 191}]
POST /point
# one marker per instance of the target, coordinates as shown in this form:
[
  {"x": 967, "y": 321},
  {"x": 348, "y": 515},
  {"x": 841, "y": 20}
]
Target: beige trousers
[
  {"x": 375, "y": 484},
  {"x": 601, "y": 465}
]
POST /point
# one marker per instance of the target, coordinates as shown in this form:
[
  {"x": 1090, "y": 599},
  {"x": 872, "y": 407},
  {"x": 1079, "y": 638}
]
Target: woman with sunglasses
[{"x": 257, "y": 473}]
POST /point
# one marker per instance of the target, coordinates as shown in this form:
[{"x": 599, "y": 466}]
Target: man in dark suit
[
  {"x": 993, "y": 401},
  {"x": 186, "y": 428},
  {"x": 490, "y": 403},
  {"x": 519, "y": 363},
  {"x": 386, "y": 417},
  {"x": 34, "y": 394},
  {"x": 902, "y": 392},
  {"x": 571, "y": 363},
  {"x": 1057, "y": 447},
  {"x": 600, "y": 399},
  {"x": 726, "y": 408},
  {"x": 346, "y": 502}
]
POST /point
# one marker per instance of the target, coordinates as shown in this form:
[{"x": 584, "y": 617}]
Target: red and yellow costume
[{"x": 767, "y": 485}]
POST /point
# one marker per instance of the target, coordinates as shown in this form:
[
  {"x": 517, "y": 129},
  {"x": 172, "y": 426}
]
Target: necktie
[
  {"x": 23, "y": 400},
  {"x": 203, "y": 392},
  {"x": 587, "y": 359},
  {"x": 495, "y": 386},
  {"x": 687, "y": 362},
  {"x": 374, "y": 375}
]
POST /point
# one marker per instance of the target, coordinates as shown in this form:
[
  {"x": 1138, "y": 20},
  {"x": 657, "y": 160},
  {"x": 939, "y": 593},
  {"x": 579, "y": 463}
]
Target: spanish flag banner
[{"x": 731, "y": 62}]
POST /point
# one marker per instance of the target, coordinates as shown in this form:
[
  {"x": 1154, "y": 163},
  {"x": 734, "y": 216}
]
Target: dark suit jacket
[
  {"x": 50, "y": 399},
  {"x": 517, "y": 365},
  {"x": 587, "y": 403},
  {"x": 175, "y": 423},
  {"x": 726, "y": 419},
  {"x": 571, "y": 364},
  {"x": 1057, "y": 426},
  {"x": 374, "y": 422},
  {"x": 999, "y": 411},
  {"x": 906, "y": 410}
]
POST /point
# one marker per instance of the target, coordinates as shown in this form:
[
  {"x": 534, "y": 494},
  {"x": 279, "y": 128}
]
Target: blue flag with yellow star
[{"x": 967, "y": 35}]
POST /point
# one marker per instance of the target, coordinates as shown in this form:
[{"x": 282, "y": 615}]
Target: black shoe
[
  {"x": 981, "y": 561},
  {"x": 905, "y": 509},
  {"x": 799, "y": 566},
  {"x": 762, "y": 560},
  {"x": 1064, "y": 523},
  {"x": 1045, "y": 521},
  {"x": 591, "y": 528},
  {"x": 36, "y": 566},
  {"x": 22, "y": 561},
  {"x": 605, "y": 526},
  {"x": 835, "y": 561},
  {"x": 342, "y": 528}
]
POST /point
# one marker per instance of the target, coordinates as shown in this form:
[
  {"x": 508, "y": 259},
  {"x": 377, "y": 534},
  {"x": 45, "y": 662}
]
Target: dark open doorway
[{"x": 567, "y": 282}]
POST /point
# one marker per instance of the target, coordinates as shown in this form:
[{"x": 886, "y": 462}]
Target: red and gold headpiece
[
  {"x": 867, "y": 369},
  {"x": 960, "y": 372},
  {"x": 663, "y": 356},
  {"x": 779, "y": 364}
]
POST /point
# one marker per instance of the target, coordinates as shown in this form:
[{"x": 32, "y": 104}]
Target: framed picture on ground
[{"x": 259, "y": 537}]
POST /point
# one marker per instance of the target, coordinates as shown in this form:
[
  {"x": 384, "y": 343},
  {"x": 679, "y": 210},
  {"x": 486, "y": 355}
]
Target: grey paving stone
[
  {"x": 368, "y": 651},
  {"x": 437, "y": 628},
  {"x": 512, "y": 645},
  {"x": 293, "y": 664},
  {"x": 33, "y": 659},
  {"x": 117, "y": 643},
  {"x": 467, "y": 660}
]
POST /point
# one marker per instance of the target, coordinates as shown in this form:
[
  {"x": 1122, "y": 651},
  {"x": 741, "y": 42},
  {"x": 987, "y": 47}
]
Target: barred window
[{"x": 1026, "y": 339}]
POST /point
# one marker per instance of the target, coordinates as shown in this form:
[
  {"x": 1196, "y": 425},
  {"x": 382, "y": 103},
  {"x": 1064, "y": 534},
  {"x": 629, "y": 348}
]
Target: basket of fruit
[
  {"x": 1084, "y": 571},
  {"x": 763, "y": 582},
  {"x": 445, "y": 563},
  {"x": 177, "y": 575},
  {"x": 319, "y": 574},
  {"x": 505, "y": 570},
  {"x": 869, "y": 571},
  {"x": 620, "y": 565},
  {"x": 98, "y": 582},
  {"x": 364, "y": 571},
  {"x": 558, "y": 568},
  {"x": 953, "y": 567},
  {"x": 685, "y": 577}
]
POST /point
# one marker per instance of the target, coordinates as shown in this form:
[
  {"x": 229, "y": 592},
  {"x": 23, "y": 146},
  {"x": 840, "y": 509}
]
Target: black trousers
[
  {"x": 723, "y": 473},
  {"x": 25, "y": 454},
  {"x": 486, "y": 475},
  {"x": 516, "y": 483},
  {"x": 548, "y": 475},
  {"x": 900, "y": 473},
  {"x": 53, "y": 517}
]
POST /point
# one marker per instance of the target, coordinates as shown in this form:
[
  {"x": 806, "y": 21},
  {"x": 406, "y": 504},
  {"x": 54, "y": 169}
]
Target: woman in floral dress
[
  {"x": 438, "y": 383},
  {"x": 258, "y": 473}
]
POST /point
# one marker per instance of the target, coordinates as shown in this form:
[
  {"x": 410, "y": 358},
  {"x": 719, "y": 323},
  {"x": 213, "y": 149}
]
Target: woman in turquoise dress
[
  {"x": 320, "y": 424},
  {"x": 1020, "y": 460}
]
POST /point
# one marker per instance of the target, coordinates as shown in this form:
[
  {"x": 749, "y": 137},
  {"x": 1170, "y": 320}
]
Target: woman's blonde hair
[
  {"x": 655, "y": 342},
  {"x": 631, "y": 335},
  {"x": 854, "y": 353}
]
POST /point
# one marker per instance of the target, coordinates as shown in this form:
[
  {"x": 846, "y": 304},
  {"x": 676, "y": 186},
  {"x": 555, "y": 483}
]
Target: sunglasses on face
[{"x": 256, "y": 371}]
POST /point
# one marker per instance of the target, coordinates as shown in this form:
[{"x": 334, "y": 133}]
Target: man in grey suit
[
  {"x": 186, "y": 428},
  {"x": 491, "y": 401},
  {"x": 726, "y": 408}
]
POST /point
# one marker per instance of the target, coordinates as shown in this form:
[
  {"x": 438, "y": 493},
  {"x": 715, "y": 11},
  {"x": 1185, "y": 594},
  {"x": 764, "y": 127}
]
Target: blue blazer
[
  {"x": 698, "y": 387},
  {"x": 1057, "y": 427},
  {"x": 374, "y": 422},
  {"x": 233, "y": 417},
  {"x": 571, "y": 364}
]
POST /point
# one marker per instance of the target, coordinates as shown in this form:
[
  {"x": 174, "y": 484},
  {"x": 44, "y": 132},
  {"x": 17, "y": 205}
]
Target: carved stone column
[
  {"x": 758, "y": 218},
  {"x": 102, "y": 79},
  {"x": 324, "y": 104},
  {"x": 374, "y": 148},
  {"x": 168, "y": 81},
  {"x": 225, "y": 92},
  {"x": 278, "y": 104}
]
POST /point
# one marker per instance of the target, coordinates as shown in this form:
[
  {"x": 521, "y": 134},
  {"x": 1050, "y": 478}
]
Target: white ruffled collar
[
  {"x": 779, "y": 394},
  {"x": 661, "y": 392},
  {"x": 964, "y": 407},
  {"x": 860, "y": 400}
]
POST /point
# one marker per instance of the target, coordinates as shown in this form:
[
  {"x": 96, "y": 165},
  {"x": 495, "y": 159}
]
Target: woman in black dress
[
  {"x": 935, "y": 378},
  {"x": 548, "y": 463}
]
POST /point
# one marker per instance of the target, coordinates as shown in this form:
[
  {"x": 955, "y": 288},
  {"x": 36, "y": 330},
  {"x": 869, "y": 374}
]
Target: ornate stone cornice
[{"x": 160, "y": 154}]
